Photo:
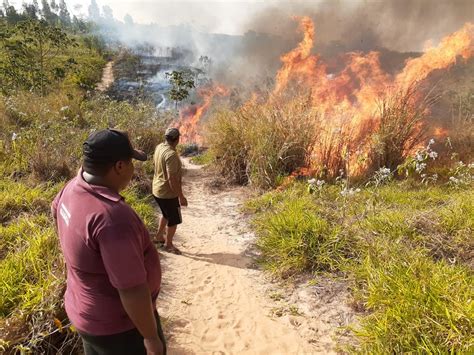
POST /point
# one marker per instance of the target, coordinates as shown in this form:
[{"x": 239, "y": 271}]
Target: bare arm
[
  {"x": 138, "y": 305},
  {"x": 176, "y": 186}
]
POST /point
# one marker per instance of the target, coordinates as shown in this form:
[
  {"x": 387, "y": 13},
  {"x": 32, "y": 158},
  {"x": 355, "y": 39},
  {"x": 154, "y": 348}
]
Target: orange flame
[
  {"x": 348, "y": 99},
  {"x": 191, "y": 116},
  {"x": 440, "y": 132},
  {"x": 458, "y": 44}
]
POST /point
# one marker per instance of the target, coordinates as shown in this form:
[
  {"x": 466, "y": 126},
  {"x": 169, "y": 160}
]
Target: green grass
[
  {"x": 294, "y": 238},
  {"x": 31, "y": 274},
  {"x": 18, "y": 197},
  {"x": 204, "y": 158},
  {"x": 407, "y": 249},
  {"x": 415, "y": 304}
]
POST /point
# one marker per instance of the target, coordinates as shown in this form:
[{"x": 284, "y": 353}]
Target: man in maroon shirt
[{"x": 113, "y": 269}]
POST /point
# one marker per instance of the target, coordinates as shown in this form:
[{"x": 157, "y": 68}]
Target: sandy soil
[
  {"x": 107, "y": 77},
  {"x": 214, "y": 300}
]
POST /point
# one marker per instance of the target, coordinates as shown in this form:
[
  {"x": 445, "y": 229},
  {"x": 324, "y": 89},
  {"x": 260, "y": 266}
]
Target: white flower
[
  {"x": 64, "y": 108},
  {"x": 320, "y": 183},
  {"x": 420, "y": 167},
  {"x": 433, "y": 155},
  {"x": 453, "y": 179},
  {"x": 311, "y": 181},
  {"x": 349, "y": 191},
  {"x": 419, "y": 156},
  {"x": 431, "y": 142},
  {"x": 14, "y": 136}
]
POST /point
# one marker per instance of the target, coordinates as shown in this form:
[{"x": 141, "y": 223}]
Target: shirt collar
[
  {"x": 98, "y": 190},
  {"x": 169, "y": 145}
]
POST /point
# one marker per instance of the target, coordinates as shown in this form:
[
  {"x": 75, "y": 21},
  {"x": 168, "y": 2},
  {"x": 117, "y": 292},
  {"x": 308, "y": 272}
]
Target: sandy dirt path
[
  {"x": 107, "y": 77},
  {"x": 213, "y": 299}
]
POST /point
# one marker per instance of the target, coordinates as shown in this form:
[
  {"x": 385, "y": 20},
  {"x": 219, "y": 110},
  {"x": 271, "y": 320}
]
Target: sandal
[
  {"x": 160, "y": 243},
  {"x": 172, "y": 250}
]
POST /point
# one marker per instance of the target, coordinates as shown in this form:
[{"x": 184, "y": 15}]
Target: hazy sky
[
  {"x": 218, "y": 16},
  {"x": 398, "y": 24}
]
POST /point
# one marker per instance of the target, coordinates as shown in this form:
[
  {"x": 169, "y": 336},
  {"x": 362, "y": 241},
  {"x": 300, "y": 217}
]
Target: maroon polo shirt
[{"x": 107, "y": 248}]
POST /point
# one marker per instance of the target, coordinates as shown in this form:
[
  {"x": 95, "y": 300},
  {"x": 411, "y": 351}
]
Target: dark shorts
[
  {"x": 126, "y": 343},
  {"x": 170, "y": 209}
]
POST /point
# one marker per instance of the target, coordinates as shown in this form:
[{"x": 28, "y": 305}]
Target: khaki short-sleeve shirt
[{"x": 167, "y": 163}]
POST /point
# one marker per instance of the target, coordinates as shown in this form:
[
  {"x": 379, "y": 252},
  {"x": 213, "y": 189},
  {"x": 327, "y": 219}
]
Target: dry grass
[{"x": 259, "y": 143}]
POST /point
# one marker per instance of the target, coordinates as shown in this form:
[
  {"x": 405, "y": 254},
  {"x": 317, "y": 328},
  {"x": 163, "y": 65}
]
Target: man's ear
[{"x": 118, "y": 166}]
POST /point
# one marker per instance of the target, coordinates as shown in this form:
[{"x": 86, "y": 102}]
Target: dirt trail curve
[{"x": 213, "y": 301}]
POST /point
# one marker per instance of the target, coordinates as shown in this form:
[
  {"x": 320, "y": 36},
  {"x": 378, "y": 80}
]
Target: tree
[
  {"x": 108, "y": 13},
  {"x": 47, "y": 13},
  {"x": 64, "y": 14},
  {"x": 94, "y": 12},
  {"x": 205, "y": 62},
  {"x": 31, "y": 10},
  {"x": 31, "y": 57},
  {"x": 54, "y": 6},
  {"x": 128, "y": 20},
  {"x": 10, "y": 13},
  {"x": 181, "y": 81}
]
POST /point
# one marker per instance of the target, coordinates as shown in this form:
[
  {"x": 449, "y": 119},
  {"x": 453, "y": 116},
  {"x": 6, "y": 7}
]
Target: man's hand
[
  {"x": 183, "y": 201},
  {"x": 153, "y": 346}
]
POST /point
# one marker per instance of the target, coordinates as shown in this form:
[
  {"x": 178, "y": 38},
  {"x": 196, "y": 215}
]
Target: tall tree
[
  {"x": 10, "y": 13},
  {"x": 128, "y": 20},
  {"x": 64, "y": 14},
  {"x": 94, "y": 12},
  {"x": 108, "y": 13},
  {"x": 31, "y": 10},
  {"x": 48, "y": 15},
  {"x": 54, "y": 6}
]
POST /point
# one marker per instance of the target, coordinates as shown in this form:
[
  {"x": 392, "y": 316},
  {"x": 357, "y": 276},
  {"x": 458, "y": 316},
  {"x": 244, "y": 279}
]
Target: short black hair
[
  {"x": 99, "y": 168},
  {"x": 171, "y": 140},
  {"x": 96, "y": 168}
]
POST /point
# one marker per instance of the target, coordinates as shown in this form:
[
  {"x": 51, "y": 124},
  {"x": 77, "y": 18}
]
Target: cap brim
[{"x": 139, "y": 155}]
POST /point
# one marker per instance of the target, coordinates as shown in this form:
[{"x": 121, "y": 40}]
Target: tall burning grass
[
  {"x": 259, "y": 143},
  {"x": 401, "y": 119}
]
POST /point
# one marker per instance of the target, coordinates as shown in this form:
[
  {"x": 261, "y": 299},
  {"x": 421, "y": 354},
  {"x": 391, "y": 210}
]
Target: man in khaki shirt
[{"x": 167, "y": 188}]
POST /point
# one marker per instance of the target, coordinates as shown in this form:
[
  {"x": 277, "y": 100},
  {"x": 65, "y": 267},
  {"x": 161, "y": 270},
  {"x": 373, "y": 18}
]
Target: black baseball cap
[{"x": 109, "y": 146}]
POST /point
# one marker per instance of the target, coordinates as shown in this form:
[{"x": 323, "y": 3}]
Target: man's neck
[
  {"x": 171, "y": 145},
  {"x": 97, "y": 180}
]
